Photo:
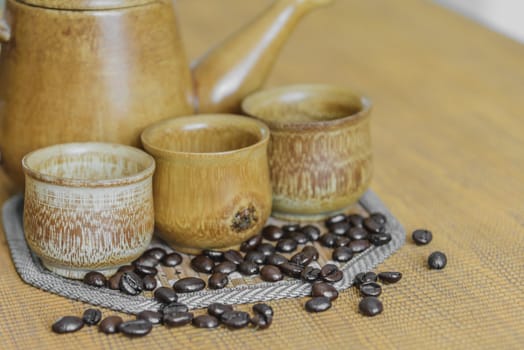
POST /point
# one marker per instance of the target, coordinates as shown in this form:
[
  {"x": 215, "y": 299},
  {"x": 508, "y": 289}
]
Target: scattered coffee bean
[
  {"x": 248, "y": 268},
  {"x": 109, "y": 325},
  {"x": 251, "y": 243},
  {"x": 357, "y": 233},
  {"x": 155, "y": 253},
  {"x": 310, "y": 274},
  {"x": 177, "y": 319},
  {"x": 235, "y": 319},
  {"x": 214, "y": 255},
  {"x": 286, "y": 245},
  {"x": 126, "y": 268},
  {"x": 165, "y": 295},
  {"x": 266, "y": 248},
  {"x": 291, "y": 270},
  {"x": 263, "y": 309},
  {"x": 370, "y": 306},
  {"x": 372, "y": 226},
  {"x": 330, "y": 273},
  {"x": 67, "y": 324},
  {"x": 328, "y": 240},
  {"x": 174, "y": 307},
  {"x": 356, "y": 220},
  {"x": 95, "y": 279},
  {"x": 390, "y": 276},
  {"x": 150, "y": 282},
  {"x": 135, "y": 328},
  {"x": 217, "y": 280},
  {"x": 340, "y": 228},
  {"x": 335, "y": 219},
  {"x": 379, "y": 239},
  {"x": 342, "y": 241},
  {"x": 359, "y": 246},
  {"x": 311, "y": 251},
  {"x": 272, "y": 233},
  {"x": 131, "y": 283},
  {"x": 276, "y": 259},
  {"x": 143, "y": 270},
  {"x": 256, "y": 257},
  {"x": 260, "y": 322},
  {"x": 318, "y": 304},
  {"x": 202, "y": 263},
  {"x": 342, "y": 254},
  {"x": 379, "y": 218},
  {"x": 172, "y": 260},
  {"x": 188, "y": 285},
  {"x": 263, "y": 316},
  {"x": 324, "y": 290},
  {"x": 270, "y": 273},
  {"x": 290, "y": 228},
  {"x": 301, "y": 259},
  {"x": 114, "y": 281},
  {"x": 233, "y": 256},
  {"x": 91, "y": 317},
  {"x": 364, "y": 277},
  {"x": 148, "y": 261},
  {"x": 225, "y": 267},
  {"x": 299, "y": 236},
  {"x": 205, "y": 321},
  {"x": 312, "y": 232},
  {"x": 422, "y": 237},
  {"x": 370, "y": 289},
  {"x": 217, "y": 309},
  {"x": 153, "y": 317},
  {"x": 437, "y": 260}
]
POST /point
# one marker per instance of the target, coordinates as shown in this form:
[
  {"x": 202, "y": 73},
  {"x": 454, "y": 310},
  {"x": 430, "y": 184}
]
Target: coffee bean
[
  {"x": 364, "y": 277},
  {"x": 177, "y": 319},
  {"x": 357, "y": 233},
  {"x": 370, "y": 306},
  {"x": 91, "y": 316},
  {"x": 95, "y": 279},
  {"x": 437, "y": 260},
  {"x": 276, "y": 259},
  {"x": 155, "y": 253},
  {"x": 109, "y": 325},
  {"x": 255, "y": 257},
  {"x": 150, "y": 283},
  {"x": 217, "y": 280},
  {"x": 342, "y": 241},
  {"x": 312, "y": 232},
  {"x": 422, "y": 237},
  {"x": 390, "y": 276},
  {"x": 131, "y": 283},
  {"x": 379, "y": 239},
  {"x": 225, "y": 267},
  {"x": 189, "y": 284},
  {"x": 153, "y": 317},
  {"x": 251, "y": 243},
  {"x": 370, "y": 289},
  {"x": 310, "y": 274},
  {"x": 270, "y": 273},
  {"x": 135, "y": 328},
  {"x": 340, "y": 228},
  {"x": 248, "y": 268},
  {"x": 260, "y": 322},
  {"x": 290, "y": 228},
  {"x": 359, "y": 246},
  {"x": 331, "y": 273},
  {"x": 291, "y": 270},
  {"x": 311, "y": 251},
  {"x": 356, "y": 220},
  {"x": 217, "y": 309},
  {"x": 174, "y": 307},
  {"x": 126, "y": 268},
  {"x": 263, "y": 316},
  {"x": 114, "y": 281},
  {"x": 342, "y": 254},
  {"x": 235, "y": 319},
  {"x": 286, "y": 245},
  {"x": 215, "y": 255},
  {"x": 328, "y": 240},
  {"x": 202, "y": 263},
  {"x": 335, "y": 219},
  {"x": 301, "y": 259},
  {"x": 318, "y": 304},
  {"x": 148, "y": 261},
  {"x": 379, "y": 218},
  {"x": 372, "y": 226},
  {"x": 143, "y": 270},
  {"x": 272, "y": 233},
  {"x": 263, "y": 309},
  {"x": 165, "y": 295},
  {"x": 205, "y": 321},
  {"x": 233, "y": 256},
  {"x": 67, "y": 324},
  {"x": 324, "y": 290},
  {"x": 299, "y": 236},
  {"x": 266, "y": 248},
  {"x": 172, "y": 260}
]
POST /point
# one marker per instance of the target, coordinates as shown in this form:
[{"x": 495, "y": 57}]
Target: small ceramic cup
[
  {"x": 211, "y": 186},
  {"x": 88, "y": 206},
  {"x": 320, "y": 149}
]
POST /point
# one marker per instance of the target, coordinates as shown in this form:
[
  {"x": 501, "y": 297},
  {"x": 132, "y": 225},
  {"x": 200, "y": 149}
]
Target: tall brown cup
[{"x": 320, "y": 150}]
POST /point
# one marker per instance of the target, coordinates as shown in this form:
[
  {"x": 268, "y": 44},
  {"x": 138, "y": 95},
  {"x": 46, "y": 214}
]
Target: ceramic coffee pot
[{"x": 102, "y": 70}]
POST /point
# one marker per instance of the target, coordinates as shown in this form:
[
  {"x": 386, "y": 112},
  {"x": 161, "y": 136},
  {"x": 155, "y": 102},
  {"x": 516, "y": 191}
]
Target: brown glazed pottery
[
  {"x": 211, "y": 186},
  {"x": 102, "y": 70},
  {"x": 320, "y": 150},
  {"x": 88, "y": 206}
]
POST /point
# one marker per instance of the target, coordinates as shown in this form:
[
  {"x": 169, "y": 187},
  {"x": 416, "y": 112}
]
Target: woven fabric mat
[{"x": 240, "y": 290}]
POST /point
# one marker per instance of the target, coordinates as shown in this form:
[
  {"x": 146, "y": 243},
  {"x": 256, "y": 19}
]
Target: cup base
[
  {"x": 198, "y": 251},
  {"x": 294, "y": 217},
  {"x": 75, "y": 273}
]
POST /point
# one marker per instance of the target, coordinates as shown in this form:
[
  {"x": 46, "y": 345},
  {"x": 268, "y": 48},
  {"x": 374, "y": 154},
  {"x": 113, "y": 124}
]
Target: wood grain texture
[{"x": 448, "y": 143}]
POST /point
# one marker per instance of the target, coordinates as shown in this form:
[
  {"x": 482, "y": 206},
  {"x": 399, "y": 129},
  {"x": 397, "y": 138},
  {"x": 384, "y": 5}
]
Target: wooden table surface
[{"x": 448, "y": 139}]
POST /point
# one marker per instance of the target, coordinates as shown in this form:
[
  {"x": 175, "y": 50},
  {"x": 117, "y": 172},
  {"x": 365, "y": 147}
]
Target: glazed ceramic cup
[
  {"x": 320, "y": 150},
  {"x": 88, "y": 206},
  {"x": 211, "y": 186}
]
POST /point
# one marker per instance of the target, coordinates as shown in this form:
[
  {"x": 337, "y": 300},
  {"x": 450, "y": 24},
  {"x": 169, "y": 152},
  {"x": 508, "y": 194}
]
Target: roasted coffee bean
[
  {"x": 390, "y": 276},
  {"x": 335, "y": 219},
  {"x": 310, "y": 274},
  {"x": 342, "y": 254},
  {"x": 165, "y": 295},
  {"x": 266, "y": 248},
  {"x": 109, "y": 325},
  {"x": 263, "y": 309},
  {"x": 372, "y": 226},
  {"x": 260, "y": 322},
  {"x": 91, "y": 316},
  {"x": 311, "y": 251},
  {"x": 357, "y": 233},
  {"x": 155, "y": 253},
  {"x": 270, "y": 273},
  {"x": 312, "y": 232},
  {"x": 215, "y": 255},
  {"x": 364, "y": 277},
  {"x": 340, "y": 228},
  {"x": 299, "y": 236},
  {"x": 324, "y": 290},
  {"x": 95, "y": 279},
  {"x": 126, "y": 268},
  {"x": 114, "y": 281},
  {"x": 359, "y": 246},
  {"x": 290, "y": 228},
  {"x": 248, "y": 268},
  {"x": 272, "y": 233},
  {"x": 202, "y": 263},
  {"x": 318, "y": 304},
  {"x": 189, "y": 284},
  {"x": 131, "y": 283},
  {"x": 301, "y": 259},
  {"x": 437, "y": 260},
  {"x": 286, "y": 245},
  {"x": 148, "y": 261},
  {"x": 331, "y": 273},
  {"x": 370, "y": 306},
  {"x": 217, "y": 280},
  {"x": 370, "y": 289},
  {"x": 174, "y": 307},
  {"x": 379, "y": 218},
  {"x": 379, "y": 239},
  {"x": 328, "y": 240},
  {"x": 205, "y": 321},
  {"x": 233, "y": 256},
  {"x": 255, "y": 257},
  {"x": 291, "y": 270},
  {"x": 342, "y": 241},
  {"x": 235, "y": 319},
  {"x": 421, "y": 236},
  {"x": 172, "y": 260},
  {"x": 217, "y": 309},
  {"x": 150, "y": 283},
  {"x": 67, "y": 324},
  {"x": 135, "y": 328},
  {"x": 251, "y": 243},
  {"x": 154, "y": 317},
  {"x": 276, "y": 259},
  {"x": 225, "y": 267},
  {"x": 143, "y": 270},
  {"x": 356, "y": 220},
  {"x": 177, "y": 319}
]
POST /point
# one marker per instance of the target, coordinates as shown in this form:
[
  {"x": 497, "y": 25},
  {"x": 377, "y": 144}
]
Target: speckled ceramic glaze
[
  {"x": 320, "y": 150},
  {"x": 211, "y": 186},
  {"x": 88, "y": 206}
]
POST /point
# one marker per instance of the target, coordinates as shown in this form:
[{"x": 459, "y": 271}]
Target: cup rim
[
  {"x": 83, "y": 147},
  {"x": 199, "y": 118},
  {"x": 249, "y": 101}
]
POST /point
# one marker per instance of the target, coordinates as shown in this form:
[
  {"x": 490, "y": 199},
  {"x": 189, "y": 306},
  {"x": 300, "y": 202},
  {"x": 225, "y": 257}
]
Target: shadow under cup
[{"x": 320, "y": 151}]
